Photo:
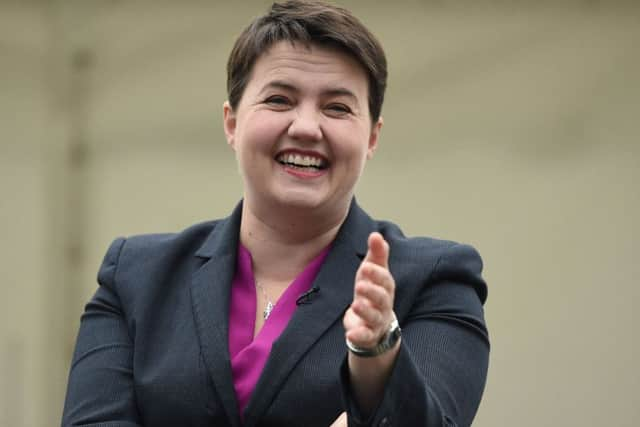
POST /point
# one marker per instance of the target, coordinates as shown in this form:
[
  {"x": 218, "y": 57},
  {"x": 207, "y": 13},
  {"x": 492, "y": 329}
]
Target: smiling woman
[
  {"x": 302, "y": 132},
  {"x": 289, "y": 311}
]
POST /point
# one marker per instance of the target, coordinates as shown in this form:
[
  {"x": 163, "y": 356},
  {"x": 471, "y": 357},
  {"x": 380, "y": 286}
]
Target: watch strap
[{"x": 388, "y": 341}]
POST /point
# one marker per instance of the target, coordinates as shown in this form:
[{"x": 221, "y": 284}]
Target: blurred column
[{"x": 66, "y": 174}]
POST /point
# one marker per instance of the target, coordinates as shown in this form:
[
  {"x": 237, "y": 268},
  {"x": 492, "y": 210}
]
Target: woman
[{"x": 287, "y": 312}]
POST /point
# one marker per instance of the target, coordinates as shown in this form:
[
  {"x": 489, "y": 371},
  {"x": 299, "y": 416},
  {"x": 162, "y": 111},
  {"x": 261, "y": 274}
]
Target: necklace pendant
[{"x": 267, "y": 310}]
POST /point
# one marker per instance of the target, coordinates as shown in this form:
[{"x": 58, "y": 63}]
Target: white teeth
[{"x": 300, "y": 160}]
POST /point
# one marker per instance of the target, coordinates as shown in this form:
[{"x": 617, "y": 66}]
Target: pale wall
[{"x": 509, "y": 126}]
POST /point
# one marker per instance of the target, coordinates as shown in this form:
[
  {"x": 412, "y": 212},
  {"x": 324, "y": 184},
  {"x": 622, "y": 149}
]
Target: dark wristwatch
[{"x": 387, "y": 342}]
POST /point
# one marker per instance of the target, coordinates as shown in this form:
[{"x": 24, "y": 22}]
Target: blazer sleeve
[
  {"x": 100, "y": 391},
  {"x": 440, "y": 372}
]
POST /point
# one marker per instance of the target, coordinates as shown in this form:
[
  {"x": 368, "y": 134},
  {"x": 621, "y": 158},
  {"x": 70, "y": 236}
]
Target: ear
[
  {"x": 373, "y": 138},
  {"x": 229, "y": 121}
]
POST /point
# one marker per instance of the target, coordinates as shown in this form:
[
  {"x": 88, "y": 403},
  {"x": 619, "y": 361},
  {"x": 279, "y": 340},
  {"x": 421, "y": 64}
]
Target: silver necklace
[{"x": 269, "y": 307}]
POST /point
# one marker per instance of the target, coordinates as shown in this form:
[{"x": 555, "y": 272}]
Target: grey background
[{"x": 510, "y": 125}]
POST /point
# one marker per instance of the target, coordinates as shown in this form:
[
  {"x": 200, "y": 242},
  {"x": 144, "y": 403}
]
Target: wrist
[{"x": 389, "y": 340}]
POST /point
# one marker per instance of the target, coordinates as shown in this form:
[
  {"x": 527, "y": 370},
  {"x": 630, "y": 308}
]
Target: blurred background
[{"x": 510, "y": 125}]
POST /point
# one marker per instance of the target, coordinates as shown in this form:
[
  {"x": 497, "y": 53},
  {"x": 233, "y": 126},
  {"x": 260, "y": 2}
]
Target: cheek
[
  {"x": 352, "y": 145},
  {"x": 261, "y": 131}
]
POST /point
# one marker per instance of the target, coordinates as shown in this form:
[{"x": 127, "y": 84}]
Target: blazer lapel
[
  {"x": 210, "y": 294},
  {"x": 310, "y": 321}
]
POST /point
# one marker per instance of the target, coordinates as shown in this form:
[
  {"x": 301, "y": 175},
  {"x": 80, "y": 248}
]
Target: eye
[
  {"x": 338, "y": 109},
  {"x": 278, "y": 101}
]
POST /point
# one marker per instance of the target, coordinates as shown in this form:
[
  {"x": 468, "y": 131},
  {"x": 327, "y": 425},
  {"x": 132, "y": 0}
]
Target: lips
[{"x": 302, "y": 160}]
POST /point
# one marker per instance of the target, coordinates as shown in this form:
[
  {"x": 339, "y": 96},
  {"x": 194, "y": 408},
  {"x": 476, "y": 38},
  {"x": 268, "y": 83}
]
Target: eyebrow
[{"x": 336, "y": 91}]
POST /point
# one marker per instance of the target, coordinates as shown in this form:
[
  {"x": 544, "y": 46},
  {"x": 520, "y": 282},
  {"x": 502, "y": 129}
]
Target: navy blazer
[{"x": 152, "y": 349}]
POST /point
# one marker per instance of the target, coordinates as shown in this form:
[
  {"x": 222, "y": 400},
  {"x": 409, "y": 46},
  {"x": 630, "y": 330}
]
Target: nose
[{"x": 305, "y": 125}]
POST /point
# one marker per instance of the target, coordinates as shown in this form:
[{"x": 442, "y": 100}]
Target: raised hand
[{"x": 371, "y": 312}]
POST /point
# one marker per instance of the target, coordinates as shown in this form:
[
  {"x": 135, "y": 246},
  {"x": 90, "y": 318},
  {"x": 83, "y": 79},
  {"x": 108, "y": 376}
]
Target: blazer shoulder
[
  {"x": 414, "y": 248},
  {"x": 191, "y": 237},
  {"x": 438, "y": 259},
  {"x": 145, "y": 257}
]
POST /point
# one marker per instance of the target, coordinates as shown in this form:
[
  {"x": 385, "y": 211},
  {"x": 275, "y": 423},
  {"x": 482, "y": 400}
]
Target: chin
[
  {"x": 300, "y": 202},
  {"x": 304, "y": 200}
]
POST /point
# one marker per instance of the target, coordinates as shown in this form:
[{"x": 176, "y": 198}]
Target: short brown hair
[{"x": 308, "y": 22}]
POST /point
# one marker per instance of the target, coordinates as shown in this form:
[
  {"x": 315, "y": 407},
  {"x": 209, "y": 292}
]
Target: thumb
[{"x": 378, "y": 252}]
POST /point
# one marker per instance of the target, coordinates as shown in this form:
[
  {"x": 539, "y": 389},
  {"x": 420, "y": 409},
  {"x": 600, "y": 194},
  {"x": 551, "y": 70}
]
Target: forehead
[{"x": 313, "y": 66}]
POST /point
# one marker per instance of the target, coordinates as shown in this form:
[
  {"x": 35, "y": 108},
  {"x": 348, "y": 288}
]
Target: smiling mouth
[{"x": 302, "y": 161}]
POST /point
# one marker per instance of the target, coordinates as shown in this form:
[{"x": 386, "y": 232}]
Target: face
[{"x": 302, "y": 131}]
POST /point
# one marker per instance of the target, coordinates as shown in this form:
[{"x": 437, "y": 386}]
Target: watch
[{"x": 388, "y": 340}]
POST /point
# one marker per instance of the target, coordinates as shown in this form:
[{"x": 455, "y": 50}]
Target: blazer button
[{"x": 385, "y": 422}]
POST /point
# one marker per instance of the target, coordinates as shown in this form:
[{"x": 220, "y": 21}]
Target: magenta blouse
[{"x": 248, "y": 353}]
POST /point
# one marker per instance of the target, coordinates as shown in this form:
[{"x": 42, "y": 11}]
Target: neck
[{"x": 282, "y": 242}]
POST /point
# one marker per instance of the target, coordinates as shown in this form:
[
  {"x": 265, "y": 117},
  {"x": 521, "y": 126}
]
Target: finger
[
  {"x": 370, "y": 315},
  {"x": 378, "y": 252},
  {"x": 363, "y": 337},
  {"x": 377, "y": 275},
  {"x": 377, "y": 295},
  {"x": 358, "y": 332},
  {"x": 351, "y": 320}
]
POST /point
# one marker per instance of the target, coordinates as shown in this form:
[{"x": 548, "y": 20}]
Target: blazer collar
[
  {"x": 311, "y": 321},
  {"x": 210, "y": 294},
  {"x": 355, "y": 230},
  {"x": 223, "y": 240},
  {"x": 211, "y": 290}
]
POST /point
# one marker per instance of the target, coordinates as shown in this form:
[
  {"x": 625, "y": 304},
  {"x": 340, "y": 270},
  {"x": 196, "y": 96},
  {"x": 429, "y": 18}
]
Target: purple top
[{"x": 249, "y": 355}]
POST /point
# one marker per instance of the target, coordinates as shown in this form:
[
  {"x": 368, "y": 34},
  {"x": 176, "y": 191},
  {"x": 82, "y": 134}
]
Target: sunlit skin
[{"x": 302, "y": 134}]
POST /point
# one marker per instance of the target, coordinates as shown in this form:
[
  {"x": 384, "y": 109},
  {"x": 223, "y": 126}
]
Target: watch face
[{"x": 393, "y": 336}]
